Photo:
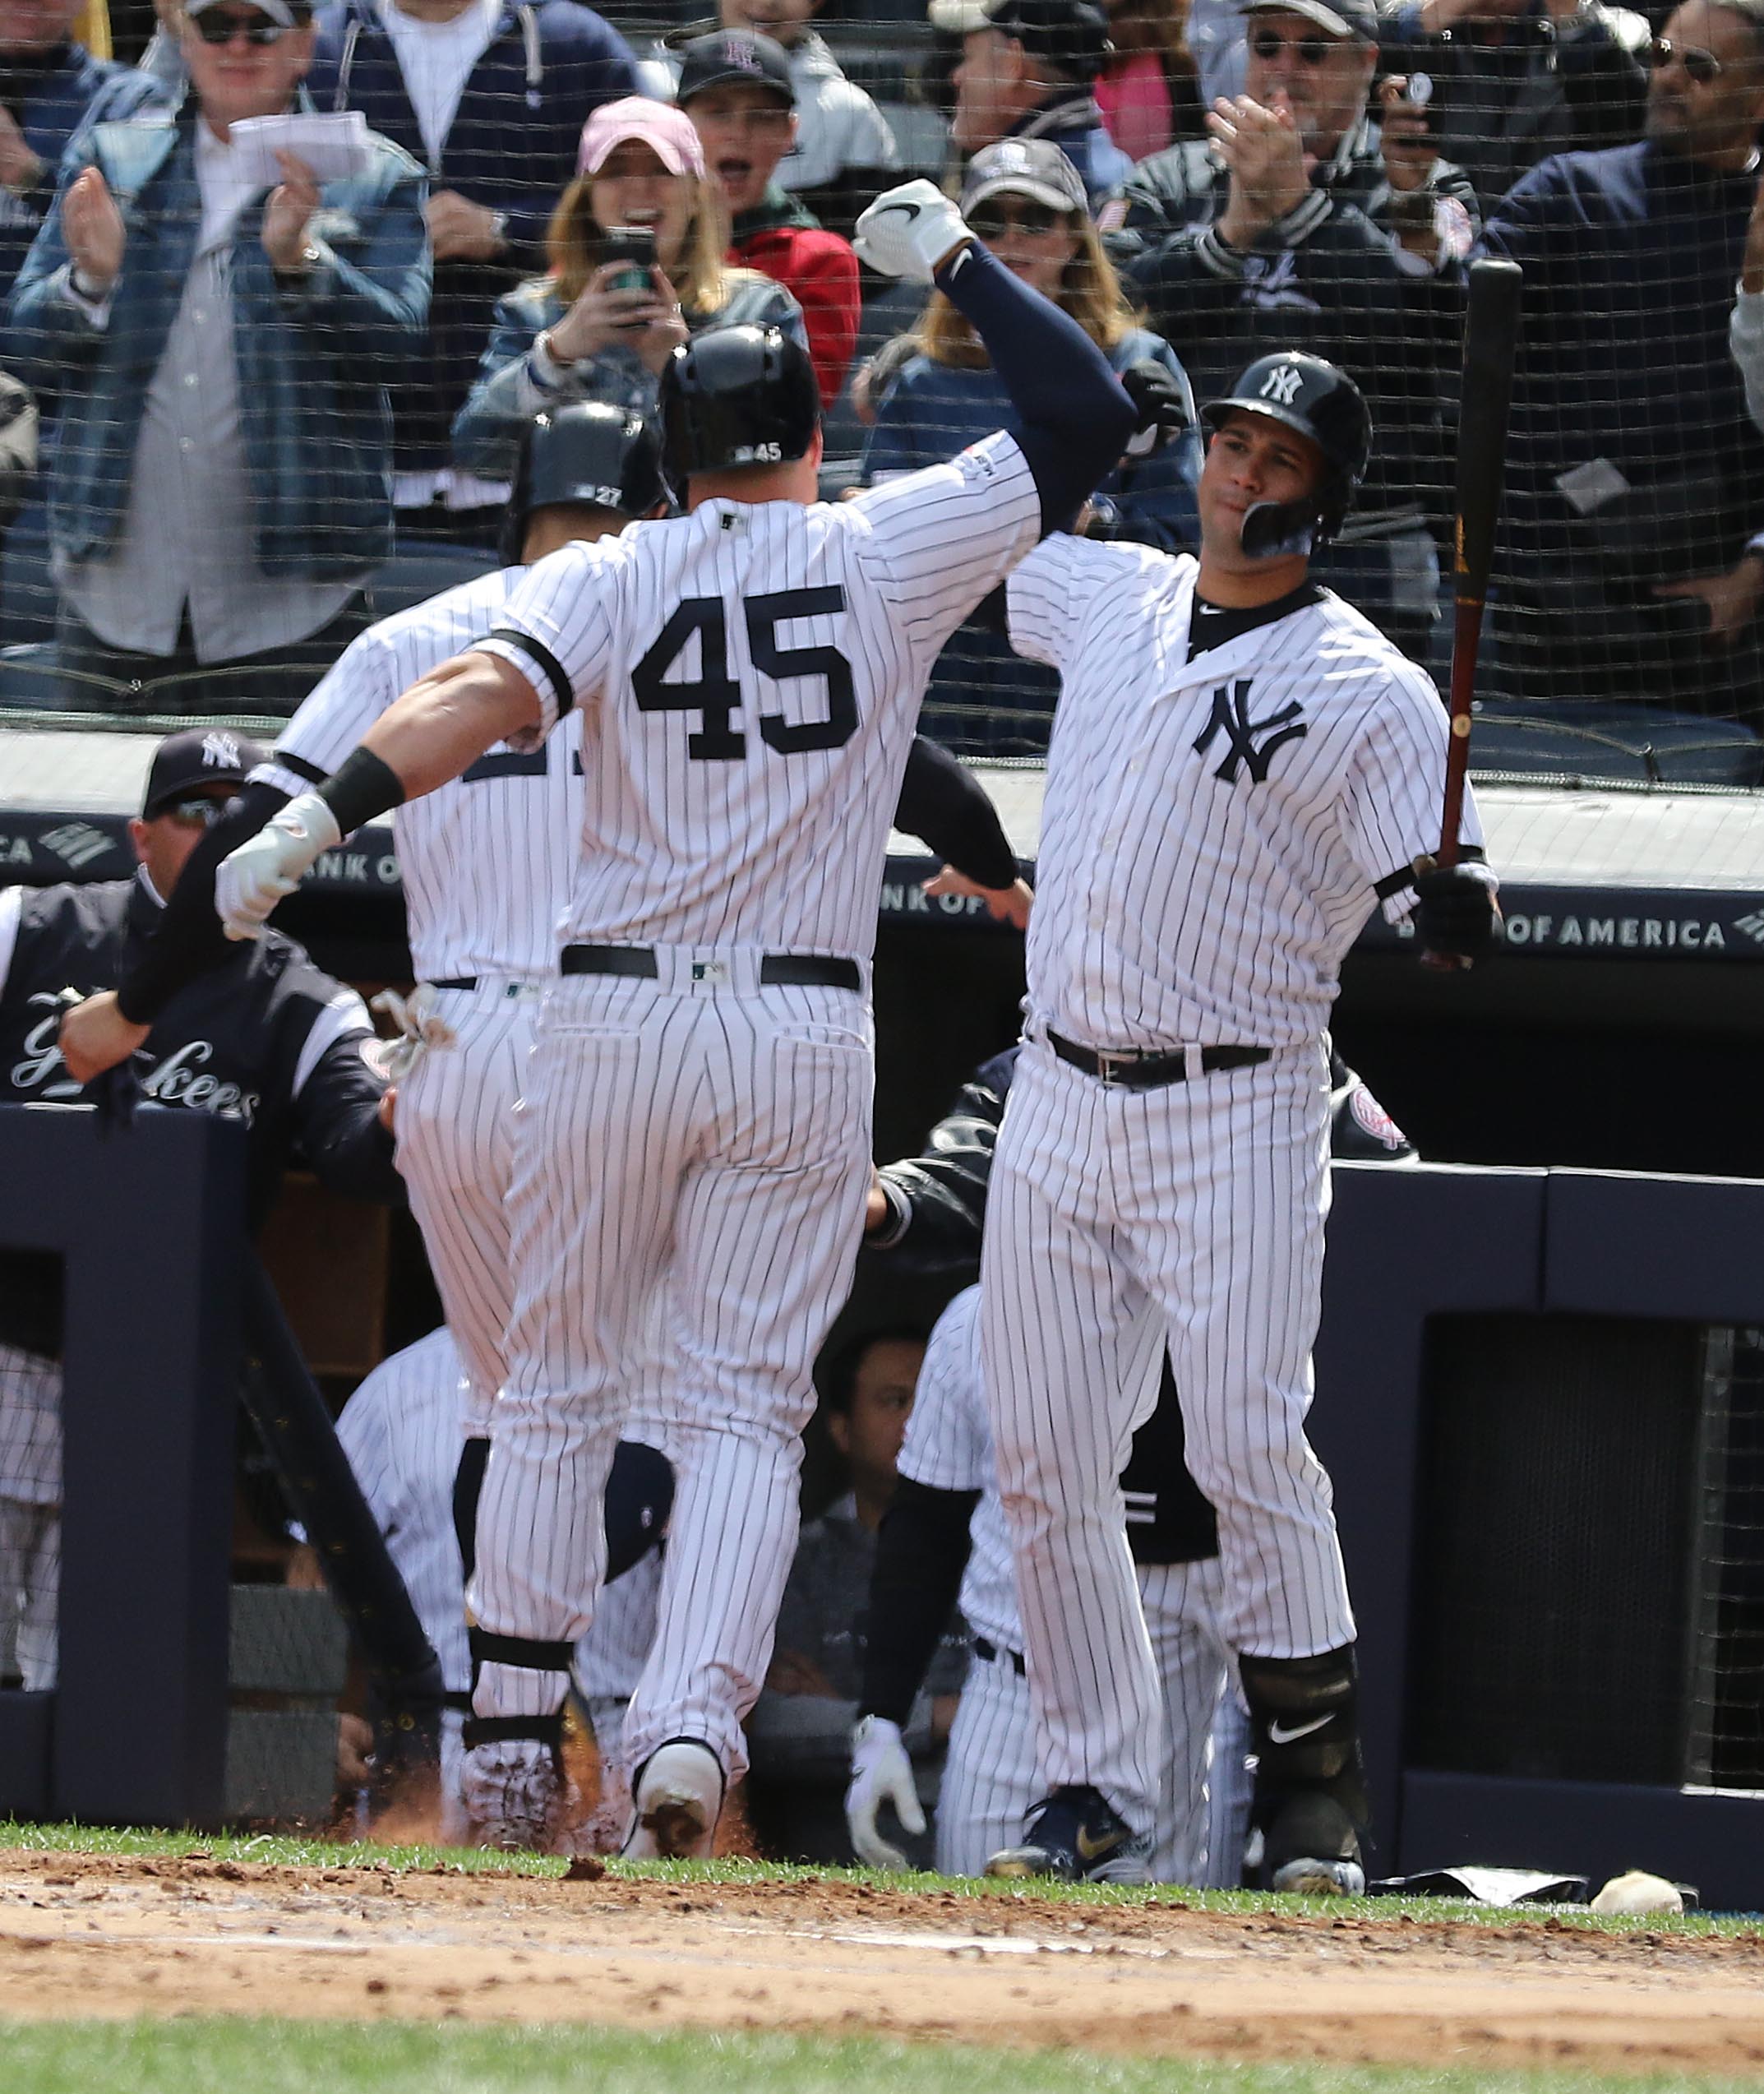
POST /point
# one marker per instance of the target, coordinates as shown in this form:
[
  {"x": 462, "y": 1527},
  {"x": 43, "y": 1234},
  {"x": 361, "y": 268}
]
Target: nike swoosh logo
[
  {"x": 1277, "y": 1735},
  {"x": 906, "y": 210},
  {"x": 1093, "y": 1850}
]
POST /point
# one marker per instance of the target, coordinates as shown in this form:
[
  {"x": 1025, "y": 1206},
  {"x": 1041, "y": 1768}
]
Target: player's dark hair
[{"x": 838, "y": 1374}]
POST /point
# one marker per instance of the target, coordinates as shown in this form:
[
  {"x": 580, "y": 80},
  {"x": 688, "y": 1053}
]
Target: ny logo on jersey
[
  {"x": 1230, "y": 717},
  {"x": 1282, "y": 383}
]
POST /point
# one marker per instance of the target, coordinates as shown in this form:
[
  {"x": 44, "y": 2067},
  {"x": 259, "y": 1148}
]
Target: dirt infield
[{"x": 84, "y": 1934}]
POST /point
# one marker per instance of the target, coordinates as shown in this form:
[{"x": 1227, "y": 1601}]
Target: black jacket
[
  {"x": 1327, "y": 278},
  {"x": 266, "y": 1039},
  {"x": 1499, "y": 109}
]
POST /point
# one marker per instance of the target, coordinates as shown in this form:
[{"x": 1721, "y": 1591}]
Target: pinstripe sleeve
[
  {"x": 362, "y": 1435},
  {"x": 557, "y": 629},
  {"x": 331, "y": 721},
  {"x": 947, "y": 1447},
  {"x": 1395, "y": 786},
  {"x": 948, "y": 535},
  {"x": 1040, "y": 598}
]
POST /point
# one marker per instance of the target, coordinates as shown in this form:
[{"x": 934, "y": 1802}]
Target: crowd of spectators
[{"x": 267, "y": 397}]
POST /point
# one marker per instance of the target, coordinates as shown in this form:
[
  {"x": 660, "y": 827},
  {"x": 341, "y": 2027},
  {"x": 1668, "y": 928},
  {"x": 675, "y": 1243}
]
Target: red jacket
[{"x": 819, "y": 270}]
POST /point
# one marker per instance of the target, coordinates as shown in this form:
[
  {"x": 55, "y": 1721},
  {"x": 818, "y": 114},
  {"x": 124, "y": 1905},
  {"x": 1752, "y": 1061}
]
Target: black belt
[
  {"x": 796, "y": 970},
  {"x": 990, "y": 1651},
  {"x": 512, "y": 987},
  {"x": 1136, "y": 1069}
]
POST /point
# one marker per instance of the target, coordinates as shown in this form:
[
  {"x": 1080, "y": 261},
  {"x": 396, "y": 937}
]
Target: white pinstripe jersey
[
  {"x": 749, "y": 677},
  {"x": 486, "y": 861},
  {"x": 1216, "y": 832},
  {"x": 401, "y": 1431},
  {"x": 949, "y": 1447}
]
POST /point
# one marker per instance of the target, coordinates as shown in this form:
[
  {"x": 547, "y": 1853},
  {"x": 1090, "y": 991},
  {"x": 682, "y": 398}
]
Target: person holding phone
[
  {"x": 1508, "y": 82},
  {"x": 636, "y": 248}
]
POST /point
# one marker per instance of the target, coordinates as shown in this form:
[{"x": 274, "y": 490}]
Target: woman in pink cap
[{"x": 570, "y": 335}]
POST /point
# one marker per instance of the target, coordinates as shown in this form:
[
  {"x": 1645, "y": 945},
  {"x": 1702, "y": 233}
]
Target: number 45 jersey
[
  {"x": 488, "y": 861},
  {"x": 748, "y": 678}
]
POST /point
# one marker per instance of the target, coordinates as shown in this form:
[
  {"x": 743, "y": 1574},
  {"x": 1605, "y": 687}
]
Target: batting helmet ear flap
[
  {"x": 1318, "y": 401},
  {"x": 584, "y": 454}
]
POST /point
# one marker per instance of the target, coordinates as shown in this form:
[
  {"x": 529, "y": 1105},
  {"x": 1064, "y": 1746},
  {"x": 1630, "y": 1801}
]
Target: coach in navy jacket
[{"x": 508, "y": 153}]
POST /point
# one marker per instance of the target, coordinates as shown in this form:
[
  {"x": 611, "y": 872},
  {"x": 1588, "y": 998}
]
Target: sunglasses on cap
[
  {"x": 198, "y": 812},
  {"x": 1308, "y": 50},
  {"x": 990, "y": 219},
  {"x": 1702, "y": 66},
  {"x": 214, "y": 26}
]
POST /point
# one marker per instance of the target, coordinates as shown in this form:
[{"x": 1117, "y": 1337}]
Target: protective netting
[
  {"x": 256, "y": 430},
  {"x": 1590, "y": 1592}
]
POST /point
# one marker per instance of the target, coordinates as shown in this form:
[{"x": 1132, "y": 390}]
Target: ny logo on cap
[
  {"x": 744, "y": 57},
  {"x": 220, "y": 751},
  {"x": 1282, "y": 384}
]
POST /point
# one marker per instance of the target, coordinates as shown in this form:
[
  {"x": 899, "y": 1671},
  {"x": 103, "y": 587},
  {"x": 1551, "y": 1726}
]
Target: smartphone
[{"x": 634, "y": 245}]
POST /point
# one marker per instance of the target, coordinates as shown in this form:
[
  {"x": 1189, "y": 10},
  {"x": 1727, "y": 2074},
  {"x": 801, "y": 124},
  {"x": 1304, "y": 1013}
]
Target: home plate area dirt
[{"x": 118, "y": 1936}]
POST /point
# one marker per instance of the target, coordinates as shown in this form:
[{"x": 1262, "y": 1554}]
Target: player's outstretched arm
[
  {"x": 445, "y": 721},
  {"x": 1076, "y": 418}
]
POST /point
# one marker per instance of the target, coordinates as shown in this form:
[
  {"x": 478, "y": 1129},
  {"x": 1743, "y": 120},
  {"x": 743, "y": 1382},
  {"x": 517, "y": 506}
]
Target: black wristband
[{"x": 362, "y": 786}]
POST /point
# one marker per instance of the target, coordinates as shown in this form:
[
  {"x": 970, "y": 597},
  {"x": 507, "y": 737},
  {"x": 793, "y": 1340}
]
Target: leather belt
[
  {"x": 1140, "y": 1070},
  {"x": 510, "y": 989},
  {"x": 990, "y": 1653},
  {"x": 795, "y": 970}
]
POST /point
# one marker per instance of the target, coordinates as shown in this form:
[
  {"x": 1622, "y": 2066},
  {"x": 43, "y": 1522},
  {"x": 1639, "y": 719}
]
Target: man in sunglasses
[
  {"x": 1631, "y": 566},
  {"x": 1297, "y": 223},
  {"x": 1029, "y": 69},
  {"x": 266, "y": 1040},
  {"x": 221, "y": 346},
  {"x": 1504, "y": 82}
]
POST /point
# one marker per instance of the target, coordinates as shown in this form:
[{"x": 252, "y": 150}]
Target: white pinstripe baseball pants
[
  {"x": 456, "y": 1121},
  {"x": 1194, "y": 1212},
  {"x": 708, "y": 1138},
  {"x": 991, "y": 1780}
]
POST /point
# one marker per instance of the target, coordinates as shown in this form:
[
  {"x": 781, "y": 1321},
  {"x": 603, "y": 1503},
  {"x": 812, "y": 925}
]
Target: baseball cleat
[
  {"x": 678, "y": 1797},
  {"x": 514, "y": 1797},
  {"x": 1312, "y": 1847},
  {"x": 1075, "y": 1837},
  {"x": 1309, "y": 1877}
]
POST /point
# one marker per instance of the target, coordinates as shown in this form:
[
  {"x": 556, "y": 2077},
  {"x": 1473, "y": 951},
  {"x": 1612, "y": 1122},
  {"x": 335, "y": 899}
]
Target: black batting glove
[
  {"x": 1162, "y": 403},
  {"x": 1456, "y": 916}
]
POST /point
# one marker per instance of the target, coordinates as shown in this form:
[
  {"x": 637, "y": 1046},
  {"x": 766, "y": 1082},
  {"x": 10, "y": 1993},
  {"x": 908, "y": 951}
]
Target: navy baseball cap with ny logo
[{"x": 195, "y": 760}]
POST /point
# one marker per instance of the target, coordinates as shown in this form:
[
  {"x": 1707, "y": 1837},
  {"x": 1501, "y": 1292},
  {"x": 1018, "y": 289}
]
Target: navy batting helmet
[
  {"x": 583, "y": 453},
  {"x": 1318, "y": 401},
  {"x": 737, "y": 396}
]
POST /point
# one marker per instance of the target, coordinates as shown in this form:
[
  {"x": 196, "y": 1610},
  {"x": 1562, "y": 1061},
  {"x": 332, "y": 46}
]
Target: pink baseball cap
[{"x": 666, "y": 130}]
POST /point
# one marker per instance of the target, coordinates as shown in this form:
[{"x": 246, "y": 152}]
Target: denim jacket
[{"x": 314, "y": 358}]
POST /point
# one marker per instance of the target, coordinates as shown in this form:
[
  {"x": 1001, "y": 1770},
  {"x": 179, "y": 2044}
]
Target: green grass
[
  {"x": 313, "y": 1852},
  {"x": 269, "y": 2057}
]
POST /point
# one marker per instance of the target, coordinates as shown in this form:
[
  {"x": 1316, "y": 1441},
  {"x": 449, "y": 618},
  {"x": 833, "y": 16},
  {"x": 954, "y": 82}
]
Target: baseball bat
[{"x": 1491, "y": 339}]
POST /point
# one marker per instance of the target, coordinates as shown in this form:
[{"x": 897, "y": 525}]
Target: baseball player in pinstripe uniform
[
  {"x": 1241, "y": 768},
  {"x": 400, "y": 1431},
  {"x": 991, "y": 1779},
  {"x": 695, "y": 1128}
]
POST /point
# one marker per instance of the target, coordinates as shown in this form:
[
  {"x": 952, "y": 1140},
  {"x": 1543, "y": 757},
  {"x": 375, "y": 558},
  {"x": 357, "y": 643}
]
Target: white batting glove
[
  {"x": 908, "y": 231},
  {"x": 881, "y": 1773},
  {"x": 419, "y": 1028},
  {"x": 265, "y": 867}
]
